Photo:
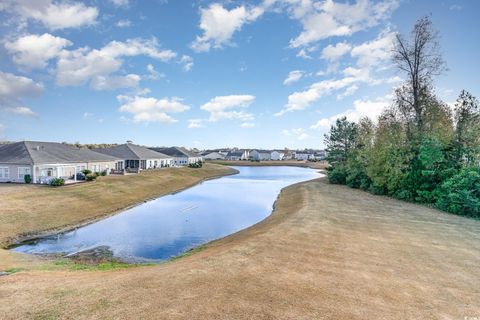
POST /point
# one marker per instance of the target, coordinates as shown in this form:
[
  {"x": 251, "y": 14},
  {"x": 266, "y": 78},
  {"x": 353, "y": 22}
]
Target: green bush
[
  {"x": 195, "y": 165},
  {"x": 337, "y": 175},
  {"x": 461, "y": 193},
  {"x": 27, "y": 178},
  {"x": 90, "y": 177},
  {"x": 86, "y": 171},
  {"x": 57, "y": 182},
  {"x": 103, "y": 173}
]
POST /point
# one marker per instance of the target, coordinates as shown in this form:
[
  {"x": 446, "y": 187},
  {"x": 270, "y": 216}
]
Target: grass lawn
[
  {"x": 327, "y": 252},
  {"x": 30, "y": 210}
]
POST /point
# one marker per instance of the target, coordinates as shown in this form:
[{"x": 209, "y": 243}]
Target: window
[
  {"x": 22, "y": 171},
  {"x": 4, "y": 173}
]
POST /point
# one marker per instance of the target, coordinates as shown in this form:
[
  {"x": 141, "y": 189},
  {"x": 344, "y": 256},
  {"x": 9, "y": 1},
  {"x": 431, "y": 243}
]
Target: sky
[{"x": 207, "y": 74}]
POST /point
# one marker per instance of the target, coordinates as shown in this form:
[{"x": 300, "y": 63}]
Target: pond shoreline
[{"x": 24, "y": 239}]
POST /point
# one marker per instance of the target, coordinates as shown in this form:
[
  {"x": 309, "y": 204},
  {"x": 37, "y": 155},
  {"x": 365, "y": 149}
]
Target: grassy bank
[
  {"x": 29, "y": 210},
  {"x": 327, "y": 251}
]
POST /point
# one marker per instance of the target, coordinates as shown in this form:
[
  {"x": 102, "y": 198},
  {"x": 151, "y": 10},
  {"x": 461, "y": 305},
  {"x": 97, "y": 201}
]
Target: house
[
  {"x": 260, "y": 155},
  {"x": 236, "y": 155},
  {"x": 180, "y": 155},
  {"x": 320, "y": 155},
  {"x": 213, "y": 156},
  {"x": 135, "y": 157},
  {"x": 277, "y": 155},
  {"x": 303, "y": 155},
  {"x": 43, "y": 161}
]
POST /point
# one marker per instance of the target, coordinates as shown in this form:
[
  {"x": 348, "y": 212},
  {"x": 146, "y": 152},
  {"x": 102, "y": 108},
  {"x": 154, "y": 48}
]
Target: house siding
[{"x": 13, "y": 172}]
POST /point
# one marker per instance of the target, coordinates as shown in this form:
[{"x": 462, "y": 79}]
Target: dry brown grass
[
  {"x": 327, "y": 252},
  {"x": 29, "y": 209}
]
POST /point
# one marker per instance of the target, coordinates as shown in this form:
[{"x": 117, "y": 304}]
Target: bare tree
[{"x": 420, "y": 58}]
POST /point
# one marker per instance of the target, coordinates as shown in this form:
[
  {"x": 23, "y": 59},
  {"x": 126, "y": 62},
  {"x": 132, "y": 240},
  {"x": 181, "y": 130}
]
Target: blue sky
[{"x": 269, "y": 74}]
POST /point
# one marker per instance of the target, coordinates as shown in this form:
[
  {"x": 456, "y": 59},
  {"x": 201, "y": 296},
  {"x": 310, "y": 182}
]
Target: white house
[
  {"x": 43, "y": 161},
  {"x": 277, "y": 155},
  {"x": 236, "y": 155},
  {"x": 303, "y": 156},
  {"x": 213, "y": 156},
  {"x": 260, "y": 155},
  {"x": 135, "y": 157},
  {"x": 180, "y": 155}
]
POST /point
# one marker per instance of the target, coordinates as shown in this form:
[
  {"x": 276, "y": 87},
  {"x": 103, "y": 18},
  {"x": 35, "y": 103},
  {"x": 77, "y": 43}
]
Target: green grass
[
  {"x": 189, "y": 252},
  {"x": 14, "y": 270},
  {"x": 66, "y": 264}
]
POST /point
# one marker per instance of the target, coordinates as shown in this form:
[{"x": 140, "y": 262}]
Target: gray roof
[
  {"x": 235, "y": 154},
  {"x": 175, "y": 151},
  {"x": 131, "y": 151},
  {"x": 37, "y": 152}
]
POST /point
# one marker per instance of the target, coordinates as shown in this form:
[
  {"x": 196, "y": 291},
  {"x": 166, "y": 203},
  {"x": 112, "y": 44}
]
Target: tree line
[{"x": 419, "y": 149}]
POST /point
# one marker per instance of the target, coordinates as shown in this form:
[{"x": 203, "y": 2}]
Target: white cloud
[
  {"x": 187, "y": 62},
  {"x": 53, "y": 14},
  {"x": 13, "y": 88},
  {"x": 299, "y": 133},
  {"x": 371, "y": 58},
  {"x": 361, "y": 108},
  {"x": 247, "y": 125},
  {"x": 34, "y": 51},
  {"x": 120, "y": 3},
  {"x": 456, "y": 7},
  {"x": 321, "y": 20},
  {"x": 227, "y": 107},
  {"x": 84, "y": 65},
  {"x": 102, "y": 83},
  {"x": 23, "y": 111},
  {"x": 124, "y": 23},
  {"x": 219, "y": 24},
  {"x": 154, "y": 74},
  {"x": 333, "y": 53},
  {"x": 195, "y": 123},
  {"x": 302, "y": 99},
  {"x": 293, "y": 76},
  {"x": 303, "y": 54},
  {"x": 348, "y": 92},
  {"x": 87, "y": 115},
  {"x": 375, "y": 52},
  {"x": 149, "y": 109}
]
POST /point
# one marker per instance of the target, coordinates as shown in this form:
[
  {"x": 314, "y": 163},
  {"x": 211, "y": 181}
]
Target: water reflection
[{"x": 170, "y": 225}]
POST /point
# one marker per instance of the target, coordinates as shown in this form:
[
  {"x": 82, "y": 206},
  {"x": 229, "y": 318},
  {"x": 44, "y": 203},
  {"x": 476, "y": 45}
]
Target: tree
[
  {"x": 421, "y": 60},
  {"x": 360, "y": 155},
  {"x": 340, "y": 142},
  {"x": 466, "y": 143}
]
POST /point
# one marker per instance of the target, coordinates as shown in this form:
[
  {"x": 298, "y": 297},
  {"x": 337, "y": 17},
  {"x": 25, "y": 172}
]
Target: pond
[{"x": 170, "y": 225}]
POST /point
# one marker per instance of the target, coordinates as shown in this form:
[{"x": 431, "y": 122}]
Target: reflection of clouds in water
[{"x": 172, "y": 224}]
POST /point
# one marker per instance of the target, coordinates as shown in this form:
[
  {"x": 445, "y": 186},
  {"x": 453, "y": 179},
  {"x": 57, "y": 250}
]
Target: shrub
[
  {"x": 27, "y": 178},
  {"x": 57, "y": 182},
  {"x": 195, "y": 165},
  {"x": 337, "y": 175},
  {"x": 86, "y": 171},
  {"x": 90, "y": 177},
  {"x": 103, "y": 173},
  {"x": 461, "y": 193}
]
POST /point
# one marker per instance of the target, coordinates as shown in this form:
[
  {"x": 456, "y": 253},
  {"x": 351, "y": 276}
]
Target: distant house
[
  {"x": 213, "y": 156},
  {"x": 260, "y": 155},
  {"x": 320, "y": 155},
  {"x": 180, "y": 155},
  {"x": 135, "y": 157},
  {"x": 236, "y": 155},
  {"x": 277, "y": 155},
  {"x": 44, "y": 161},
  {"x": 303, "y": 156}
]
